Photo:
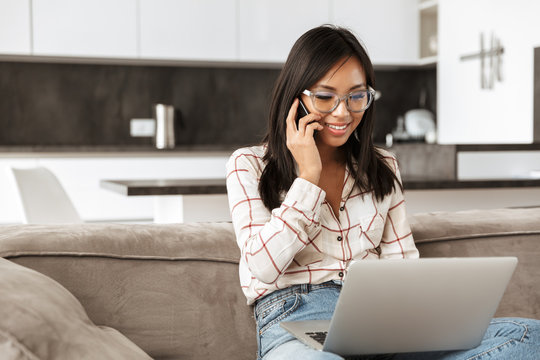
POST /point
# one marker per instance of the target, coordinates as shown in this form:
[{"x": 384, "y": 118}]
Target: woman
[{"x": 317, "y": 194}]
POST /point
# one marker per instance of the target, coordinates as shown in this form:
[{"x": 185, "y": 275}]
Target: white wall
[
  {"x": 80, "y": 176},
  {"x": 467, "y": 113}
]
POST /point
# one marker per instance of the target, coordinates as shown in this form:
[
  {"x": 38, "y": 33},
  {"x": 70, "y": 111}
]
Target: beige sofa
[{"x": 171, "y": 291}]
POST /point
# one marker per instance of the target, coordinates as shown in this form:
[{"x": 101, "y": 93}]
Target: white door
[
  {"x": 188, "y": 29},
  {"x": 15, "y": 27},
  {"x": 388, "y": 28},
  {"x": 86, "y": 28},
  {"x": 268, "y": 29},
  {"x": 502, "y": 111}
]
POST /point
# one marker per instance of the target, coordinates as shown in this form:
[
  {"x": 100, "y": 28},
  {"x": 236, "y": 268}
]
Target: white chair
[{"x": 43, "y": 199}]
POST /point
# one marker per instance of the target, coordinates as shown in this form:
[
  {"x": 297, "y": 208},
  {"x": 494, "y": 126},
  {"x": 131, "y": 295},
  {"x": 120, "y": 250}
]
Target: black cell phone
[{"x": 301, "y": 111}]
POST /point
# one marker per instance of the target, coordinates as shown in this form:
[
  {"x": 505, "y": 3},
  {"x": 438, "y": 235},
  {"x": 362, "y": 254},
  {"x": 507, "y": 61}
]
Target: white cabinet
[
  {"x": 15, "y": 27},
  {"x": 188, "y": 29},
  {"x": 268, "y": 29},
  {"x": 389, "y": 29},
  {"x": 98, "y": 28},
  {"x": 502, "y": 111},
  {"x": 202, "y": 30}
]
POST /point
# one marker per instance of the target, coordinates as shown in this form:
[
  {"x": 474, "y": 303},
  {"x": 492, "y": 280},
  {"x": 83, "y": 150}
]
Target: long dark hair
[{"x": 311, "y": 57}]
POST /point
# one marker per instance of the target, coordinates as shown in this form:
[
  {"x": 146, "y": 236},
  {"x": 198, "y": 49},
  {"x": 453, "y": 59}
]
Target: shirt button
[
  {"x": 342, "y": 208},
  {"x": 340, "y": 274},
  {"x": 339, "y": 238}
]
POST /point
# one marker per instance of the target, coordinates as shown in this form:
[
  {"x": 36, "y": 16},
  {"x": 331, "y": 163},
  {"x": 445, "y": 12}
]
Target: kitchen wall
[{"x": 58, "y": 104}]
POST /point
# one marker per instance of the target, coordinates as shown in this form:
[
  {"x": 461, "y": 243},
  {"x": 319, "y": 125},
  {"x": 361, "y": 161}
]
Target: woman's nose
[{"x": 341, "y": 110}]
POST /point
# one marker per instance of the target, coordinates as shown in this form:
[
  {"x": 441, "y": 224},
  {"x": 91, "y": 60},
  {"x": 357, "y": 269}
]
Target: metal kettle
[{"x": 164, "y": 116}]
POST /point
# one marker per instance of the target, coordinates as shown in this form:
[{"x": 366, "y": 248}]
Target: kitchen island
[{"x": 179, "y": 200}]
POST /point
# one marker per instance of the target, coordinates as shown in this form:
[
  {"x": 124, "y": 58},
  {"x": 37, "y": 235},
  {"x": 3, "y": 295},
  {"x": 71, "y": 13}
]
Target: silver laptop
[{"x": 411, "y": 305}]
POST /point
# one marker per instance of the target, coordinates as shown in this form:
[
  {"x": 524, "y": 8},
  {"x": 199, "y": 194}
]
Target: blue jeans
[{"x": 505, "y": 338}]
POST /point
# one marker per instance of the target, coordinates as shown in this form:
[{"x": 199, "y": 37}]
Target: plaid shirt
[{"x": 303, "y": 241}]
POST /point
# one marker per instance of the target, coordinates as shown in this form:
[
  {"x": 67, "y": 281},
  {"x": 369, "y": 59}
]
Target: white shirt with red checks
[{"x": 303, "y": 241}]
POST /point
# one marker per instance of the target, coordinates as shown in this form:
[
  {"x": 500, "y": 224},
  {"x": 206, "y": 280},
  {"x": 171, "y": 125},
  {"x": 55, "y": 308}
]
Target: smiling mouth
[{"x": 337, "y": 127}]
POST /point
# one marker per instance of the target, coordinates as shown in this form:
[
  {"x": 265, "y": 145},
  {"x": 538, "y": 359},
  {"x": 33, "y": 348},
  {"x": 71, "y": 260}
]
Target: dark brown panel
[{"x": 82, "y": 105}]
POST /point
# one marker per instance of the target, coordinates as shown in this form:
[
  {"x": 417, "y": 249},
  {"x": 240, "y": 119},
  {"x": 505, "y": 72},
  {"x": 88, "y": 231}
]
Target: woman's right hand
[{"x": 301, "y": 143}]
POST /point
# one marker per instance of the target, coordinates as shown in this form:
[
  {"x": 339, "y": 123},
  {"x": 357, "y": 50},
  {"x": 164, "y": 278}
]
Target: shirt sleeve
[
  {"x": 397, "y": 240},
  {"x": 269, "y": 240}
]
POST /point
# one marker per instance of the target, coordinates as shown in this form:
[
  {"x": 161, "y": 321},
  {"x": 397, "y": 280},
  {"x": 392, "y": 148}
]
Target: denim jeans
[{"x": 505, "y": 338}]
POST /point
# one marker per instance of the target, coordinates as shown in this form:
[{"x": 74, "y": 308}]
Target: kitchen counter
[
  {"x": 115, "y": 148},
  {"x": 430, "y": 183},
  {"x": 165, "y": 186},
  {"x": 217, "y": 186},
  {"x": 113, "y": 151},
  {"x": 415, "y": 159}
]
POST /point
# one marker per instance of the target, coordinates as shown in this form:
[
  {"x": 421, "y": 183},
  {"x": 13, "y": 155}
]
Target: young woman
[{"x": 317, "y": 195}]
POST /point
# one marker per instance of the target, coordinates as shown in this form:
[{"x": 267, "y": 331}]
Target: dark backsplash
[{"x": 45, "y": 104}]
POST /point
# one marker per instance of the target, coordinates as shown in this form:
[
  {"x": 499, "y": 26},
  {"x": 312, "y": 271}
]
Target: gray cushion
[
  {"x": 40, "y": 319},
  {"x": 172, "y": 289}
]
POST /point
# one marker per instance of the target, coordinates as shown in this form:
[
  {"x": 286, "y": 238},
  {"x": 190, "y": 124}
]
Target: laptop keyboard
[{"x": 318, "y": 336}]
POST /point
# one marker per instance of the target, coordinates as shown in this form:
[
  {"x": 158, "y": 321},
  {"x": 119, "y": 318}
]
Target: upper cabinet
[
  {"x": 268, "y": 29},
  {"x": 97, "y": 28},
  {"x": 261, "y": 31},
  {"x": 485, "y": 71},
  {"x": 389, "y": 28},
  {"x": 15, "y": 27},
  {"x": 188, "y": 29}
]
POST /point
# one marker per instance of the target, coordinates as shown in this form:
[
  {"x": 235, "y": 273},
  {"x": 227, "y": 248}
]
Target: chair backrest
[{"x": 44, "y": 200}]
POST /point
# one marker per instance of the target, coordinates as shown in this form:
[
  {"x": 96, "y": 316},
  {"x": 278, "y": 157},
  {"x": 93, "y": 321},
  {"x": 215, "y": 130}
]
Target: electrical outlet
[{"x": 142, "y": 127}]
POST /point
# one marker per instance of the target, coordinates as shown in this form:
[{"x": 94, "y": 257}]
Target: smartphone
[{"x": 301, "y": 111}]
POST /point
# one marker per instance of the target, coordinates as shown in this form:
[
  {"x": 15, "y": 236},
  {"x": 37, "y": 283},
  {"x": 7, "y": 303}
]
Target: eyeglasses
[{"x": 356, "y": 101}]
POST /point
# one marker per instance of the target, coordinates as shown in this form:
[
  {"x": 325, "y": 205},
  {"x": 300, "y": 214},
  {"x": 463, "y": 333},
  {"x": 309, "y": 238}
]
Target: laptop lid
[{"x": 412, "y": 305}]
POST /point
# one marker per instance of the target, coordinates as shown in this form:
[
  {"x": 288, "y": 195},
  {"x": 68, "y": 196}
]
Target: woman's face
[{"x": 341, "y": 79}]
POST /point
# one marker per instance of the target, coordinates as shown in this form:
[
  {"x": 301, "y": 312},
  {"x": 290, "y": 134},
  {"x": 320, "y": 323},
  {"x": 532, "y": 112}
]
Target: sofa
[{"x": 124, "y": 291}]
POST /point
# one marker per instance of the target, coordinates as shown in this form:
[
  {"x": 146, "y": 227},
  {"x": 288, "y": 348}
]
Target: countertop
[
  {"x": 217, "y": 186},
  {"x": 113, "y": 151},
  {"x": 416, "y": 158},
  {"x": 419, "y": 183}
]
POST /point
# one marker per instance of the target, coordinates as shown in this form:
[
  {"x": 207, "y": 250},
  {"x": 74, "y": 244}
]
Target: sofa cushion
[
  {"x": 496, "y": 232},
  {"x": 200, "y": 241},
  {"x": 40, "y": 319},
  {"x": 172, "y": 289},
  {"x": 470, "y": 224}
]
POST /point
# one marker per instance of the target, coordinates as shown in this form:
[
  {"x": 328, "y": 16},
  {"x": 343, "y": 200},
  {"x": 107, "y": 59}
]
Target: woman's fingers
[
  {"x": 306, "y": 120},
  {"x": 310, "y": 128},
  {"x": 301, "y": 143},
  {"x": 291, "y": 117},
  {"x": 304, "y": 126}
]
